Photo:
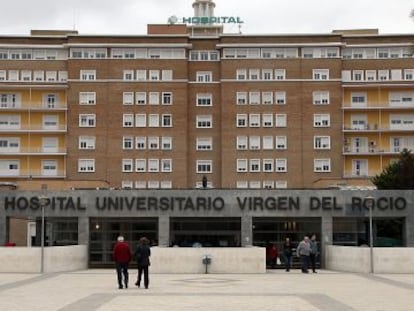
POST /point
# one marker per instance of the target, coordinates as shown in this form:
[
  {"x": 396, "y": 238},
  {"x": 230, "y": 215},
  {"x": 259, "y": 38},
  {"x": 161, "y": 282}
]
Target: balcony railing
[
  {"x": 374, "y": 127},
  {"x": 369, "y": 151},
  {"x": 34, "y": 174},
  {"x": 378, "y": 105},
  {"x": 34, "y": 106},
  {"x": 361, "y": 173},
  {"x": 34, "y": 128},
  {"x": 33, "y": 150}
]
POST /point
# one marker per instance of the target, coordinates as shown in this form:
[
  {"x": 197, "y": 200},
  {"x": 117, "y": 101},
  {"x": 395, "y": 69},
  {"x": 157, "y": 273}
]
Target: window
[
  {"x": 204, "y": 76},
  {"x": 153, "y": 120},
  {"x": 320, "y": 74},
  {"x": 358, "y": 99},
  {"x": 204, "y": 121},
  {"x": 321, "y": 98},
  {"x": 127, "y": 142},
  {"x": 322, "y": 142},
  {"x": 128, "y": 120},
  {"x": 38, "y": 75},
  {"x": 154, "y": 75},
  {"x": 241, "y": 74},
  {"x": 13, "y": 75},
  {"x": 241, "y": 165},
  {"x": 166, "y": 184},
  {"x": 88, "y": 75},
  {"x": 267, "y": 98},
  {"x": 140, "y": 120},
  {"x": 204, "y": 166},
  {"x": 141, "y": 75},
  {"x": 154, "y": 98},
  {"x": 241, "y": 143},
  {"x": 127, "y": 165},
  {"x": 8, "y": 122},
  {"x": 254, "y": 74},
  {"x": 86, "y": 165},
  {"x": 371, "y": 75},
  {"x": 267, "y": 120},
  {"x": 254, "y": 120},
  {"x": 153, "y": 184},
  {"x": 268, "y": 165},
  {"x": 322, "y": 165},
  {"x": 358, "y": 75},
  {"x": 241, "y": 98},
  {"x": 254, "y": 142},
  {"x": 11, "y": 144},
  {"x": 140, "y": 165},
  {"x": 26, "y": 75},
  {"x": 267, "y": 74},
  {"x": 167, "y": 98},
  {"x": 9, "y": 167},
  {"x": 87, "y": 120},
  {"x": 87, "y": 142},
  {"x": 166, "y": 165},
  {"x": 281, "y": 120},
  {"x": 204, "y": 100},
  {"x": 50, "y": 100},
  {"x": 128, "y": 75},
  {"x": 153, "y": 142},
  {"x": 128, "y": 98},
  {"x": 51, "y": 76},
  {"x": 87, "y": 98},
  {"x": 281, "y": 142},
  {"x": 3, "y": 75},
  {"x": 383, "y": 75},
  {"x": 280, "y": 74},
  {"x": 280, "y": 98},
  {"x": 204, "y": 143},
  {"x": 281, "y": 165},
  {"x": 50, "y": 122},
  {"x": 409, "y": 74},
  {"x": 166, "y": 120},
  {"x": 281, "y": 184},
  {"x": 140, "y": 98},
  {"x": 254, "y": 98},
  {"x": 242, "y": 184},
  {"x": 166, "y": 143},
  {"x": 268, "y": 142},
  {"x": 153, "y": 165},
  {"x": 268, "y": 184},
  {"x": 254, "y": 165},
  {"x": 49, "y": 168},
  {"x": 321, "y": 120},
  {"x": 140, "y": 142}
]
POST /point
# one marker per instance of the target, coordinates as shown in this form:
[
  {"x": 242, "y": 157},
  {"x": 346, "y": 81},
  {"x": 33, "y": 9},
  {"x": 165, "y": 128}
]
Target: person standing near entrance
[
  {"x": 287, "y": 254},
  {"x": 303, "y": 251},
  {"x": 314, "y": 252},
  {"x": 122, "y": 256},
  {"x": 142, "y": 255}
]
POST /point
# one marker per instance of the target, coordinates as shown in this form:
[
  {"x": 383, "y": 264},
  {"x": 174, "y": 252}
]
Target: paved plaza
[{"x": 275, "y": 290}]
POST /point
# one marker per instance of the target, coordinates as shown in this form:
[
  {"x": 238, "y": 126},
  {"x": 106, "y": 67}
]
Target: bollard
[{"x": 206, "y": 261}]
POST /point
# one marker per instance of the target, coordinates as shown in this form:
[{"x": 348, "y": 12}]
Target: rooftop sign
[{"x": 206, "y": 20}]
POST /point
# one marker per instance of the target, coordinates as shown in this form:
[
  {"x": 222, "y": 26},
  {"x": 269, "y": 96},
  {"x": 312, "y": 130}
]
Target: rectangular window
[
  {"x": 254, "y": 98},
  {"x": 268, "y": 143},
  {"x": 281, "y": 142},
  {"x": 204, "y": 143},
  {"x": 241, "y": 98},
  {"x": 26, "y": 75},
  {"x": 383, "y": 75},
  {"x": 204, "y": 166},
  {"x": 154, "y": 98},
  {"x": 127, "y": 142},
  {"x": 254, "y": 120},
  {"x": 320, "y": 74},
  {"x": 153, "y": 165},
  {"x": 280, "y": 98},
  {"x": 267, "y": 74},
  {"x": 128, "y": 75},
  {"x": 204, "y": 76},
  {"x": 167, "y": 98},
  {"x": 141, "y": 142},
  {"x": 166, "y": 120},
  {"x": 140, "y": 120},
  {"x": 281, "y": 165},
  {"x": 39, "y": 75},
  {"x": 88, "y": 75},
  {"x": 87, "y": 98},
  {"x": 140, "y": 98},
  {"x": 154, "y": 75},
  {"x": 322, "y": 165},
  {"x": 267, "y": 98},
  {"x": 140, "y": 165},
  {"x": 280, "y": 74},
  {"x": 254, "y": 74},
  {"x": 322, "y": 142},
  {"x": 141, "y": 75},
  {"x": 267, "y": 120},
  {"x": 166, "y": 143},
  {"x": 153, "y": 120},
  {"x": 87, "y": 120},
  {"x": 87, "y": 142},
  {"x": 321, "y": 98},
  {"x": 321, "y": 120},
  {"x": 127, "y": 120},
  {"x": 241, "y": 74},
  {"x": 166, "y": 165},
  {"x": 167, "y": 75},
  {"x": 358, "y": 75},
  {"x": 254, "y": 142},
  {"x": 204, "y": 100},
  {"x": 241, "y": 165},
  {"x": 371, "y": 75},
  {"x": 86, "y": 165},
  {"x": 254, "y": 165},
  {"x": 51, "y": 76},
  {"x": 128, "y": 98},
  {"x": 153, "y": 143},
  {"x": 281, "y": 120},
  {"x": 268, "y": 166},
  {"x": 204, "y": 121},
  {"x": 241, "y": 143},
  {"x": 281, "y": 184},
  {"x": 127, "y": 166}
]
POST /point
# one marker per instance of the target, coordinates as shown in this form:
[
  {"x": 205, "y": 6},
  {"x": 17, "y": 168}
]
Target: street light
[
  {"x": 371, "y": 202},
  {"x": 42, "y": 202}
]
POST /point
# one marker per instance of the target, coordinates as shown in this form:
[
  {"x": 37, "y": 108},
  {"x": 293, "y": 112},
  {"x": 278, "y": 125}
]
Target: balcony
[
  {"x": 34, "y": 106},
  {"x": 378, "y": 105},
  {"x": 369, "y": 151},
  {"x": 35, "y": 173},
  {"x": 377, "y": 128},
  {"x": 33, "y": 151},
  {"x": 34, "y": 128},
  {"x": 361, "y": 174}
]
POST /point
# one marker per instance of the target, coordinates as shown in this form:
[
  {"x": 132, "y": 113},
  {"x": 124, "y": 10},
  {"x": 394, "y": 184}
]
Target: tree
[{"x": 397, "y": 175}]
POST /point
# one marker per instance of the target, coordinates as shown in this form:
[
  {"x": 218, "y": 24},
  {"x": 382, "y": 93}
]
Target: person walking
[
  {"x": 314, "y": 252},
  {"x": 272, "y": 255},
  {"x": 303, "y": 251},
  {"x": 122, "y": 256},
  {"x": 142, "y": 255},
  {"x": 287, "y": 254}
]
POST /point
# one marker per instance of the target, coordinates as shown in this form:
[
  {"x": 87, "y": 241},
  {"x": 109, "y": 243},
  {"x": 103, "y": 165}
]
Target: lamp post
[
  {"x": 371, "y": 202},
  {"x": 42, "y": 202}
]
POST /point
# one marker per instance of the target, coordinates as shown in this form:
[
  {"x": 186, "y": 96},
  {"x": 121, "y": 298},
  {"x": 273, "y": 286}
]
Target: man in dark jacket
[
  {"x": 142, "y": 255},
  {"x": 122, "y": 256}
]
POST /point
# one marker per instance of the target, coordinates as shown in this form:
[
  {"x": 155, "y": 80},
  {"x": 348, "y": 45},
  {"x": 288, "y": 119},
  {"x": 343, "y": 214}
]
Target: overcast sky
[{"x": 260, "y": 16}]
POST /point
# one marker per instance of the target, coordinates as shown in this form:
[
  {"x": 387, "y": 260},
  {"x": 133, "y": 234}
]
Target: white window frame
[
  {"x": 322, "y": 165},
  {"x": 87, "y": 98},
  {"x": 86, "y": 165},
  {"x": 321, "y": 142},
  {"x": 204, "y": 121},
  {"x": 87, "y": 142},
  {"x": 204, "y": 166},
  {"x": 204, "y": 143}
]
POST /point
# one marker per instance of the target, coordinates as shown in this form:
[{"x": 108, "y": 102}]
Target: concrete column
[
  {"x": 246, "y": 231},
  {"x": 4, "y": 229},
  {"x": 409, "y": 230},
  {"x": 164, "y": 231},
  {"x": 83, "y": 231},
  {"x": 326, "y": 237}
]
